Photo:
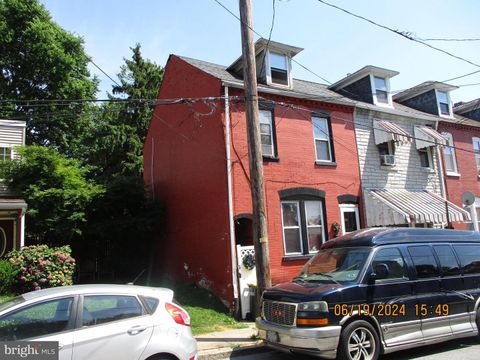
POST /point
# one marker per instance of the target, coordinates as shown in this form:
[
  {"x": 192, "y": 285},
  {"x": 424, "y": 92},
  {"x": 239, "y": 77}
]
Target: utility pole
[{"x": 260, "y": 233}]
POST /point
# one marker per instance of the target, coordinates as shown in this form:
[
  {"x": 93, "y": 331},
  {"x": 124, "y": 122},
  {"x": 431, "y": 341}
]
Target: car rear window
[
  {"x": 424, "y": 261},
  {"x": 151, "y": 303},
  {"x": 469, "y": 256}
]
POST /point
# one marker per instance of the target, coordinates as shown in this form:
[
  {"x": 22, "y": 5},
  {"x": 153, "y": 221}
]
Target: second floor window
[
  {"x": 449, "y": 155},
  {"x": 266, "y": 133},
  {"x": 425, "y": 157},
  {"x": 323, "y": 145},
  {"x": 476, "y": 148},
  {"x": 387, "y": 153}
]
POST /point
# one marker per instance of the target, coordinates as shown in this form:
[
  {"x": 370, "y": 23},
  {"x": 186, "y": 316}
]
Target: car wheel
[
  {"x": 358, "y": 341},
  {"x": 477, "y": 320}
]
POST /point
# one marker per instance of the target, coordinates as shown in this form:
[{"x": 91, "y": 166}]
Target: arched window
[{"x": 303, "y": 219}]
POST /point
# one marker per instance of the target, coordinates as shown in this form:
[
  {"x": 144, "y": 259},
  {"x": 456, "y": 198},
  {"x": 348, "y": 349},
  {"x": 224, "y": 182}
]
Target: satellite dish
[{"x": 468, "y": 198}]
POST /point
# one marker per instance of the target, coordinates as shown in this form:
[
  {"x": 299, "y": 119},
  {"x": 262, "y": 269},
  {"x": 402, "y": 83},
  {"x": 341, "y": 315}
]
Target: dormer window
[
  {"x": 381, "y": 89},
  {"x": 279, "y": 68},
  {"x": 443, "y": 103}
]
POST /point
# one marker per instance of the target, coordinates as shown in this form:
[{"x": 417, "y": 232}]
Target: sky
[{"x": 335, "y": 43}]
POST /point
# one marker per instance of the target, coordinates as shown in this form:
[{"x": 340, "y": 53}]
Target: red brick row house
[
  {"x": 343, "y": 156},
  {"x": 196, "y": 161}
]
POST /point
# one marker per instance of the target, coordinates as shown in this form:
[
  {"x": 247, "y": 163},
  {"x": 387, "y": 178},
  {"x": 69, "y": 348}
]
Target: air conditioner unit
[{"x": 387, "y": 160}]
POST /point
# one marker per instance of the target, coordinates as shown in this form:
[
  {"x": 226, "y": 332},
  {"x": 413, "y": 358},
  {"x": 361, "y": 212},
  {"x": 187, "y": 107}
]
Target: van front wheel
[
  {"x": 359, "y": 341},
  {"x": 477, "y": 320}
]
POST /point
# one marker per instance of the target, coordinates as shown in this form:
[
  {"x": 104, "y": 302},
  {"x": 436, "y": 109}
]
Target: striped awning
[
  {"x": 395, "y": 207},
  {"x": 385, "y": 131},
  {"x": 426, "y": 136}
]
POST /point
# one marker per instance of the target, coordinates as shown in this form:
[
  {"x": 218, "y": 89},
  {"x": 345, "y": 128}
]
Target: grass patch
[
  {"x": 208, "y": 313},
  {"x": 5, "y": 297}
]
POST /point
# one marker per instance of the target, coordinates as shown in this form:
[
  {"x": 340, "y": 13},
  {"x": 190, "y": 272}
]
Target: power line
[
  {"x": 104, "y": 73},
  {"x": 405, "y": 34},
  {"x": 462, "y": 76},
  {"x": 440, "y": 39}
]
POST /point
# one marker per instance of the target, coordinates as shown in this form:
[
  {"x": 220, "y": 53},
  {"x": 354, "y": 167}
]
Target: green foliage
[
  {"x": 39, "y": 267},
  {"x": 8, "y": 275},
  {"x": 117, "y": 142},
  {"x": 41, "y": 61},
  {"x": 56, "y": 190}
]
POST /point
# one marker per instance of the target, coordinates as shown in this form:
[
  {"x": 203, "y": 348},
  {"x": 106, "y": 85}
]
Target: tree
[
  {"x": 117, "y": 142},
  {"x": 56, "y": 190},
  {"x": 41, "y": 61}
]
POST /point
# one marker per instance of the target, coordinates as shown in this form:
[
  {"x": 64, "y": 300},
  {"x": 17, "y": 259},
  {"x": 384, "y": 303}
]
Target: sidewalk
[{"x": 224, "y": 344}]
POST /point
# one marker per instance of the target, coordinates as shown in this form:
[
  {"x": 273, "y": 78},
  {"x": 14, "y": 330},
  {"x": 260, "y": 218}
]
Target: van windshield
[{"x": 335, "y": 265}]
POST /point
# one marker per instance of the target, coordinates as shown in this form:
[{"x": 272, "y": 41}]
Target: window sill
[
  {"x": 388, "y": 168},
  {"x": 297, "y": 257},
  {"x": 326, "y": 163},
  {"x": 271, "y": 159},
  {"x": 428, "y": 170},
  {"x": 453, "y": 174}
]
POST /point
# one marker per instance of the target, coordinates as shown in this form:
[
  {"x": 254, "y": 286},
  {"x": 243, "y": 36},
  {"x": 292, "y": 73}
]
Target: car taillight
[{"x": 179, "y": 315}]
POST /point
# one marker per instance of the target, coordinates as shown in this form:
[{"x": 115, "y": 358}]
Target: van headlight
[
  {"x": 318, "y": 306},
  {"x": 312, "y": 313}
]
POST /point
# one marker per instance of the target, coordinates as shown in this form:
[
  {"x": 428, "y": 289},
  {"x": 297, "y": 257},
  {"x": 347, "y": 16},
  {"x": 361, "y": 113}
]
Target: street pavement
[{"x": 464, "y": 349}]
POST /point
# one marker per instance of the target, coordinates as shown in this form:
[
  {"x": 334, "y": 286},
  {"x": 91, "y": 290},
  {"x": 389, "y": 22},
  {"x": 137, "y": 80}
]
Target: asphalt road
[{"x": 464, "y": 349}]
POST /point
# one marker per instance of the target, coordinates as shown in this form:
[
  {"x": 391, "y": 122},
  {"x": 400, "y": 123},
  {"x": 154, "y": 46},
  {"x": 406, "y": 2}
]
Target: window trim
[
  {"x": 450, "y": 110},
  {"x": 299, "y": 227},
  {"x": 3, "y": 245},
  {"x": 270, "y": 107},
  {"x": 268, "y": 72},
  {"x": 344, "y": 208},
  {"x": 329, "y": 140},
  {"x": 374, "y": 91},
  {"x": 450, "y": 144},
  {"x": 302, "y": 195}
]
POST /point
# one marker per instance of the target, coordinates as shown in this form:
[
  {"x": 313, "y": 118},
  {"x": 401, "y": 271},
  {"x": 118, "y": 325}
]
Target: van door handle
[{"x": 136, "y": 329}]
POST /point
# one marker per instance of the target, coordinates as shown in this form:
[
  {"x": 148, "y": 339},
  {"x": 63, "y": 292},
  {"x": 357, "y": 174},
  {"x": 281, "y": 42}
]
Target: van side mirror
[{"x": 380, "y": 271}]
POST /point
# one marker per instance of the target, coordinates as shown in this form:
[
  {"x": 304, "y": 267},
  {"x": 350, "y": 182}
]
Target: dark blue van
[{"x": 375, "y": 291}]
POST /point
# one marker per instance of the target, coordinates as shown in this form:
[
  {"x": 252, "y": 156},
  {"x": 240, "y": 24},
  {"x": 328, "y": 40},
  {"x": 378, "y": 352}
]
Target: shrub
[
  {"x": 8, "y": 276},
  {"x": 39, "y": 267}
]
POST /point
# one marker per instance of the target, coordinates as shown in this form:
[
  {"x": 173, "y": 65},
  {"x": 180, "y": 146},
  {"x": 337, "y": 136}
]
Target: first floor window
[
  {"x": 5, "y": 153},
  {"x": 303, "y": 230},
  {"x": 349, "y": 217}
]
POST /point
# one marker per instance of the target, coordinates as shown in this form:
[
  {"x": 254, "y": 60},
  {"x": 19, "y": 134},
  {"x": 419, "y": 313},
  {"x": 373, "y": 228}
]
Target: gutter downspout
[{"x": 233, "y": 253}]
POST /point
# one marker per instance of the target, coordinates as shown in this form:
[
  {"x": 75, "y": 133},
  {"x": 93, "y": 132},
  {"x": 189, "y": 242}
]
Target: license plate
[{"x": 273, "y": 337}]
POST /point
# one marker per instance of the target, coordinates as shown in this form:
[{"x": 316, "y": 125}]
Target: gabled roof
[
  {"x": 357, "y": 75},
  {"x": 423, "y": 88},
  {"x": 302, "y": 89},
  {"x": 466, "y": 107}
]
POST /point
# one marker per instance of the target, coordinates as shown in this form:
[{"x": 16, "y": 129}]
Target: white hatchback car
[{"x": 98, "y": 322}]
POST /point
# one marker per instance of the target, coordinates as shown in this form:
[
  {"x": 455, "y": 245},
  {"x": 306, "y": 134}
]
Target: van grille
[{"x": 280, "y": 312}]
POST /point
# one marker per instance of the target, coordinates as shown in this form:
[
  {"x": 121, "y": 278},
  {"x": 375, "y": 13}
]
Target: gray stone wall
[{"x": 407, "y": 172}]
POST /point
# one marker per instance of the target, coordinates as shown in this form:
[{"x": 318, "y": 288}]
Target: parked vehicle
[
  {"x": 97, "y": 322},
  {"x": 376, "y": 291}
]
